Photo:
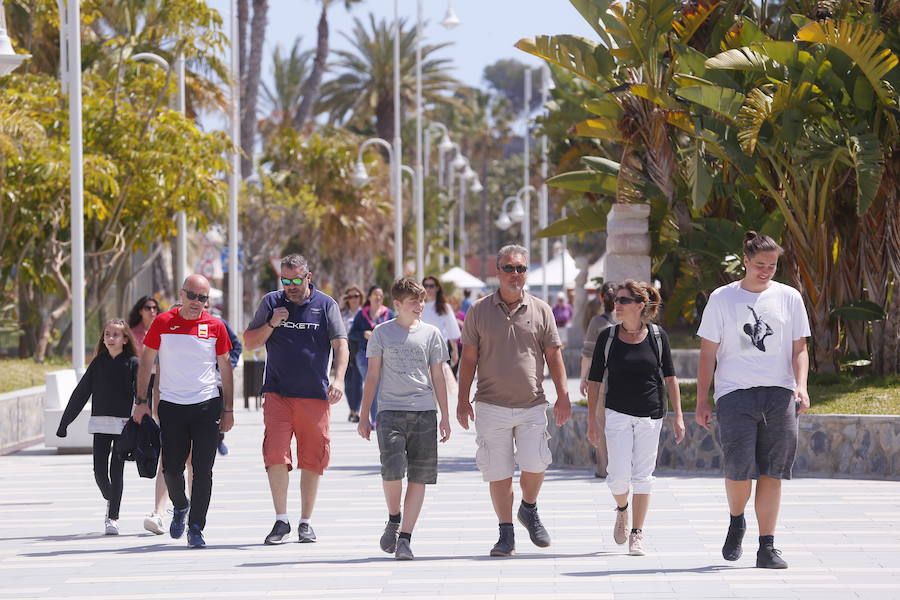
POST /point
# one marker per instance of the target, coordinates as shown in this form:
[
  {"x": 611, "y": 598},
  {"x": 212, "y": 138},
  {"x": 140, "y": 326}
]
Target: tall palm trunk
[
  {"x": 250, "y": 94},
  {"x": 314, "y": 82}
]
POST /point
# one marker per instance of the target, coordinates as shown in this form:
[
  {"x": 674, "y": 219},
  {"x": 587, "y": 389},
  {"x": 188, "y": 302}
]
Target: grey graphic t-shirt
[
  {"x": 406, "y": 355},
  {"x": 755, "y": 333}
]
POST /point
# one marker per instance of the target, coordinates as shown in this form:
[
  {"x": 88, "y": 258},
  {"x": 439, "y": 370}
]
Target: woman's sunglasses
[{"x": 625, "y": 300}]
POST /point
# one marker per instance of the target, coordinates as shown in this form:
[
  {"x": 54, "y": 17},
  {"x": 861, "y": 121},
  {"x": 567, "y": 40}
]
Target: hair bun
[{"x": 750, "y": 235}]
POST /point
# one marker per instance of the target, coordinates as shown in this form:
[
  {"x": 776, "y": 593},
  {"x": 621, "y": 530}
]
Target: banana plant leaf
[
  {"x": 593, "y": 182},
  {"x": 862, "y": 310},
  {"x": 584, "y": 220}
]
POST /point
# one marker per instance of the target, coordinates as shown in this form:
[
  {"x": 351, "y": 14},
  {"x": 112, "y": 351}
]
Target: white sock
[
  {"x": 302, "y": 521},
  {"x": 282, "y": 518}
]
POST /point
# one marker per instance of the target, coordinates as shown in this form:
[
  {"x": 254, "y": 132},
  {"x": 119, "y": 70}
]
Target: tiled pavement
[{"x": 841, "y": 537}]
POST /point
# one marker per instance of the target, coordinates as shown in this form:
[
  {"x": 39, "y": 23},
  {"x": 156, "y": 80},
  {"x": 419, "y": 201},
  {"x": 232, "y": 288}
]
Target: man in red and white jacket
[{"x": 189, "y": 343}]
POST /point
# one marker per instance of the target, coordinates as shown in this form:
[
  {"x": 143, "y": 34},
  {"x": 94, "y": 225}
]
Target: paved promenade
[{"x": 841, "y": 537}]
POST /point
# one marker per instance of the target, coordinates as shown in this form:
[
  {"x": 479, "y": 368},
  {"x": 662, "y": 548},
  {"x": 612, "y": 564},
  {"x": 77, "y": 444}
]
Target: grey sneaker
[
  {"x": 280, "y": 533},
  {"x": 388, "y": 540},
  {"x": 636, "y": 544},
  {"x": 403, "y": 551},
  {"x": 529, "y": 518},
  {"x": 620, "y": 529},
  {"x": 305, "y": 533}
]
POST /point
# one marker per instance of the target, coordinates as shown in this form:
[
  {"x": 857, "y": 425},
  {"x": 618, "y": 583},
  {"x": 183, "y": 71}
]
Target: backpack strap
[
  {"x": 657, "y": 337},
  {"x": 613, "y": 332}
]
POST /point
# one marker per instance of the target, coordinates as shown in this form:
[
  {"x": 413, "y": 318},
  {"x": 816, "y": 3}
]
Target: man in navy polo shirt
[{"x": 300, "y": 327}]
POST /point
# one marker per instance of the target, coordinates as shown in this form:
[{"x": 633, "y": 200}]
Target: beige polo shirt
[{"x": 511, "y": 347}]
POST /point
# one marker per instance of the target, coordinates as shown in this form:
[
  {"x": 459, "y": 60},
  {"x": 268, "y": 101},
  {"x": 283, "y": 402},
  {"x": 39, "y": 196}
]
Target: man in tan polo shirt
[{"x": 507, "y": 336}]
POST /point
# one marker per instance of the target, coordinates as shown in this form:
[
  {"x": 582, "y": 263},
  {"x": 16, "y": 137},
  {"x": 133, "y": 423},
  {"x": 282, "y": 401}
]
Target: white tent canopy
[
  {"x": 562, "y": 262},
  {"x": 462, "y": 279}
]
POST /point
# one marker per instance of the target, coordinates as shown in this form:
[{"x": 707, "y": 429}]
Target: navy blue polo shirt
[{"x": 298, "y": 350}]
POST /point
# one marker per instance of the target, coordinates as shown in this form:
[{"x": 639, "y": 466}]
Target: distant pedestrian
[
  {"x": 373, "y": 313},
  {"x": 440, "y": 313},
  {"x": 507, "y": 337},
  {"x": 353, "y": 381},
  {"x": 466, "y": 301},
  {"x": 406, "y": 359},
  {"x": 753, "y": 337},
  {"x": 302, "y": 329},
  {"x": 109, "y": 382},
  {"x": 632, "y": 364},
  {"x": 190, "y": 344},
  {"x": 596, "y": 325},
  {"x": 562, "y": 313}
]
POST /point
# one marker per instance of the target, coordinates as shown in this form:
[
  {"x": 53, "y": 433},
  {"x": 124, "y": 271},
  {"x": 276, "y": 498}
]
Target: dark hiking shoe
[
  {"x": 769, "y": 558},
  {"x": 388, "y": 540},
  {"x": 732, "y": 549},
  {"x": 506, "y": 545},
  {"x": 529, "y": 518}
]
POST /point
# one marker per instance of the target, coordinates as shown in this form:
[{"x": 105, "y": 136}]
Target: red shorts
[{"x": 304, "y": 418}]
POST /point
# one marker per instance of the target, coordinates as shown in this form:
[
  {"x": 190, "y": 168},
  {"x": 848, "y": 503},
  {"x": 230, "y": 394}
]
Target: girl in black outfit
[
  {"x": 628, "y": 404},
  {"x": 109, "y": 381}
]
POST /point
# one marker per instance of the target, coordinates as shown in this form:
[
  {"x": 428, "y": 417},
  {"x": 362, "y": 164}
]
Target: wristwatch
[{"x": 140, "y": 401}]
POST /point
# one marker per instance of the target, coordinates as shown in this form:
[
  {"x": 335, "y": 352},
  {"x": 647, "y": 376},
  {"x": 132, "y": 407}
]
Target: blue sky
[{"x": 488, "y": 31}]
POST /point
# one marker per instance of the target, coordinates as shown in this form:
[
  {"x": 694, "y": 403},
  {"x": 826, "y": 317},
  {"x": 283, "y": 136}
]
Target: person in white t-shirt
[
  {"x": 439, "y": 313},
  {"x": 753, "y": 337}
]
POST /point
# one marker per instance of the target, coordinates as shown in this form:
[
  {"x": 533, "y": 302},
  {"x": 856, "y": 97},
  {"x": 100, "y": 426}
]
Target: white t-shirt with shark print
[{"x": 755, "y": 333}]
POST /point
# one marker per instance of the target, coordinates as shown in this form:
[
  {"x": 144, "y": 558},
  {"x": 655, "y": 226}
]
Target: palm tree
[
  {"x": 314, "y": 82},
  {"x": 250, "y": 79},
  {"x": 289, "y": 74},
  {"x": 362, "y": 94}
]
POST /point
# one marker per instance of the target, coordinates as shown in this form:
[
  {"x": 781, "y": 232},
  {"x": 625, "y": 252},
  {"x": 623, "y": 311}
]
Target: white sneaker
[
  {"x": 154, "y": 524},
  {"x": 112, "y": 526},
  {"x": 636, "y": 544},
  {"x": 620, "y": 529}
]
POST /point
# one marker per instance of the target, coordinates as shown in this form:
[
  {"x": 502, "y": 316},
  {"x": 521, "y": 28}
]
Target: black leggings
[
  {"x": 190, "y": 429},
  {"x": 108, "y": 468}
]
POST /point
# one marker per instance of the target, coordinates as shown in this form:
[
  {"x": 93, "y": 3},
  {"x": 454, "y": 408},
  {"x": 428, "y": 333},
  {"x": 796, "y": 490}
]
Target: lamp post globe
[
  {"x": 503, "y": 221},
  {"x": 360, "y": 176},
  {"x": 450, "y": 19}
]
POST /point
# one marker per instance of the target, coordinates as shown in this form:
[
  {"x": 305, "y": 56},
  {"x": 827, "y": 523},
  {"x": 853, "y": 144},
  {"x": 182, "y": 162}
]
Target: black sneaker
[
  {"x": 195, "y": 537},
  {"x": 532, "y": 522},
  {"x": 506, "y": 545},
  {"x": 305, "y": 534},
  {"x": 388, "y": 540},
  {"x": 279, "y": 534},
  {"x": 768, "y": 557},
  {"x": 732, "y": 550}
]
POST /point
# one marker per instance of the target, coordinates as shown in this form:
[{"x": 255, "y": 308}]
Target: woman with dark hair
[
  {"x": 352, "y": 301},
  {"x": 373, "y": 313},
  {"x": 753, "y": 339},
  {"x": 139, "y": 319},
  {"x": 630, "y": 372},
  {"x": 439, "y": 313}
]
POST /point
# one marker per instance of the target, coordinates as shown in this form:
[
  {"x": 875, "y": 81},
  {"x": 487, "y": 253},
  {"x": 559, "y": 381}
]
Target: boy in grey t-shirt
[{"x": 405, "y": 367}]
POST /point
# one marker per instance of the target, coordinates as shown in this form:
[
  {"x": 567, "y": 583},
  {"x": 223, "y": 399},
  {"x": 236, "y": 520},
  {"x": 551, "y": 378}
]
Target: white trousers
[{"x": 632, "y": 444}]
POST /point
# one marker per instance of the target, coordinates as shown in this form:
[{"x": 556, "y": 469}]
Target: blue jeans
[
  {"x": 362, "y": 365},
  {"x": 353, "y": 385}
]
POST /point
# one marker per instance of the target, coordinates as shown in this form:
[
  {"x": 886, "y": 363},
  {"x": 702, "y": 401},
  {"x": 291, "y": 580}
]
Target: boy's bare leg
[
  {"x": 531, "y": 486},
  {"x": 278, "y": 485},
  {"x": 393, "y": 491},
  {"x": 412, "y": 506},
  {"x": 767, "y": 503},
  {"x": 309, "y": 487}
]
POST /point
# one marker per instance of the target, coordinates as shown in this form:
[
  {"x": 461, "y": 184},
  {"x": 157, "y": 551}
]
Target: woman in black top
[
  {"x": 627, "y": 402},
  {"x": 109, "y": 381}
]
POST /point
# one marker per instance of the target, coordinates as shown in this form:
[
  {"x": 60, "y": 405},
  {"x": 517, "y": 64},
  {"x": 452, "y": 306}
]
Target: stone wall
[
  {"x": 857, "y": 446},
  {"x": 21, "y": 418}
]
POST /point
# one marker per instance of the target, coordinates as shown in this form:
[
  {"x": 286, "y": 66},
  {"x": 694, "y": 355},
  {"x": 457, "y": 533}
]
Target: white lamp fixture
[
  {"x": 517, "y": 213},
  {"x": 446, "y": 144},
  {"x": 459, "y": 162},
  {"x": 476, "y": 187},
  {"x": 9, "y": 60},
  {"x": 503, "y": 221},
  {"x": 360, "y": 175},
  {"x": 469, "y": 174},
  {"x": 450, "y": 19}
]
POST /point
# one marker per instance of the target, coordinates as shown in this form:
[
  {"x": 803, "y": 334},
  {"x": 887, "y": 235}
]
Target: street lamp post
[
  {"x": 526, "y": 224},
  {"x": 543, "y": 217},
  {"x": 444, "y": 146},
  {"x": 70, "y": 65},
  {"x": 235, "y": 300},
  {"x": 398, "y": 152},
  {"x": 361, "y": 177},
  {"x": 179, "y": 105}
]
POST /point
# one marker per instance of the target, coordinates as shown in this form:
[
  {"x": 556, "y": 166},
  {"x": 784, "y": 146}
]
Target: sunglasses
[
  {"x": 514, "y": 269},
  {"x": 429, "y": 286},
  {"x": 625, "y": 300},
  {"x": 348, "y": 296},
  {"x": 295, "y": 280},
  {"x": 195, "y": 296},
  {"x": 151, "y": 307}
]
